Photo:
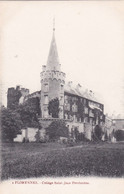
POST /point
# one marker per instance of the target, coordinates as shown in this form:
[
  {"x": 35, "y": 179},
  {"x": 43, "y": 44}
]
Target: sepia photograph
[{"x": 62, "y": 93}]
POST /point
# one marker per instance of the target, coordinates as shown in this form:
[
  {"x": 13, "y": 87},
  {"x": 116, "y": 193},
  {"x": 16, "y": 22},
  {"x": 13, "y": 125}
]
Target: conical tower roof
[{"x": 53, "y": 59}]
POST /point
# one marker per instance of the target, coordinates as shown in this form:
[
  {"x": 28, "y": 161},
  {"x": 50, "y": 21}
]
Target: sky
[{"x": 90, "y": 42}]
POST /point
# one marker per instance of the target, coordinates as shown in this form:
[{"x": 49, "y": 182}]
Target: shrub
[
  {"x": 57, "y": 129},
  {"x": 97, "y": 135},
  {"x": 119, "y": 135},
  {"x": 11, "y": 124}
]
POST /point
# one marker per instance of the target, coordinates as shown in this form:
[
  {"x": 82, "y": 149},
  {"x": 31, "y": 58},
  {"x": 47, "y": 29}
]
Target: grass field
[{"x": 24, "y": 160}]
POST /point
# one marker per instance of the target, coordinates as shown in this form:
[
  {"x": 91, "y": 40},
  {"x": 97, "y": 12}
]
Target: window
[
  {"x": 74, "y": 108},
  {"x": 61, "y": 113},
  {"x": 46, "y": 87},
  {"x": 62, "y": 87},
  {"x": 67, "y": 107},
  {"x": 86, "y": 120},
  {"x": 74, "y": 99},
  {"x": 80, "y": 120},
  {"x": 61, "y": 100},
  {"x": 91, "y": 120},
  {"x": 74, "y": 118},
  {"x": 91, "y": 113},
  {"x": 66, "y": 99},
  {"x": 46, "y": 99},
  {"x": 84, "y": 101},
  {"x": 81, "y": 99},
  {"x": 66, "y": 116},
  {"x": 45, "y": 112},
  {"x": 86, "y": 110}
]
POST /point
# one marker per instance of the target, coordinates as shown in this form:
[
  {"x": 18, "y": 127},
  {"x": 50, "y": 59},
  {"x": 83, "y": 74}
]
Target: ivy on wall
[{"x": 53, "y": 108}]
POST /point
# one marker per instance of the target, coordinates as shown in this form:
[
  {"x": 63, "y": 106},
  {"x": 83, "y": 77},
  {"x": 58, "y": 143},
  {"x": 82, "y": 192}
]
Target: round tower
[{"x": 52, "y": 81}]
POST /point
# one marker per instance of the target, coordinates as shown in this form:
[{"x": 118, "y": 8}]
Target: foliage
[
  {"x": 79, "y": 136},
  {"x": 57, "y": 129},
  {"x": 97, "y": 135},
  {"x": 53, "y": 108},
  {"x": 106, "y": 136},
  {"x": 39, "y": 138},
  {"x": 28, "y": 114},
  {"x": 119, "y": 135},
  {"x": 11, "y": 124},
  {"x": 81, "y": 109},
  {"x": 21, "y": 116},
  {"x": 35, "y": 104}
]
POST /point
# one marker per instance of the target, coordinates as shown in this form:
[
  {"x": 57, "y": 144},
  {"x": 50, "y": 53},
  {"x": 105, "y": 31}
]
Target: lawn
[{"x": 25, "y": 160}]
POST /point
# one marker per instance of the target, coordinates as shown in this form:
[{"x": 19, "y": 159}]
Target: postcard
[{"x": 62, "y": 97}]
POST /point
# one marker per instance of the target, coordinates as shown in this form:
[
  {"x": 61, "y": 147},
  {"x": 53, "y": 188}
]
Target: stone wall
[
  {"x": 27, "y": 134},
  {"x": 16, "y": 96}
]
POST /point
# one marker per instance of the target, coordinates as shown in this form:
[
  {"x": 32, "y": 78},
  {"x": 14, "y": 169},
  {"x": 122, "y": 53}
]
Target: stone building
[
  {"x": 16, "y": 96},
  {"x": 79, "y": 107},
  {"x": 118, "y": 124}
]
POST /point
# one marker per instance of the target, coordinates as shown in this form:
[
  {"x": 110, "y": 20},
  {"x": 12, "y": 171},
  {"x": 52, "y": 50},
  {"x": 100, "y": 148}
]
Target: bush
[
  {"x": 119, "y": 135},
  {"x": 11, "y": 124},
  {"x": 57, "y": 129},
  {"x": 97, "y": 135}
]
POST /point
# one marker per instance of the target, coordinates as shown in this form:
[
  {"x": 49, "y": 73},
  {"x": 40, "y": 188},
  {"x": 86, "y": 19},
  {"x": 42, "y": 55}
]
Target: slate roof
[
  {"x": 78, "y": 90},
  {"x": 53, "y": 58}
]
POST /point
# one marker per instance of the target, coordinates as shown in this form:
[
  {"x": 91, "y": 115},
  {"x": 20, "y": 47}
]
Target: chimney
[
  {"x": 78, "y": 87},
  {"x": 70, "y": 83},
  {"x": 18, "y": 88}
]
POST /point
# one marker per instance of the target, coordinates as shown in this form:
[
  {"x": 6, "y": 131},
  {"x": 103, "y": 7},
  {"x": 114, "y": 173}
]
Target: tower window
[
  {"x": 61, "y": 100},
  {"x": 62, "y": 87},
  {"x": 46, "y": 87},
  {"x": 46, "y": 99}
]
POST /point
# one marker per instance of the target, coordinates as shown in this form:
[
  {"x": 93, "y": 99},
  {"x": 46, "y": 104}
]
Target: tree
[
  {"x": 11, "y": 124},
  {"x": 119, "y": 135},
  {"x": 57, "y": 129},
  {"x": 21, "y": 116},
  {"x": 53, "y": 108},
  {"x": 29, "y": 115},
  {"x": 97, "y": 133},
  {"x": 106, "y": 136}
]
